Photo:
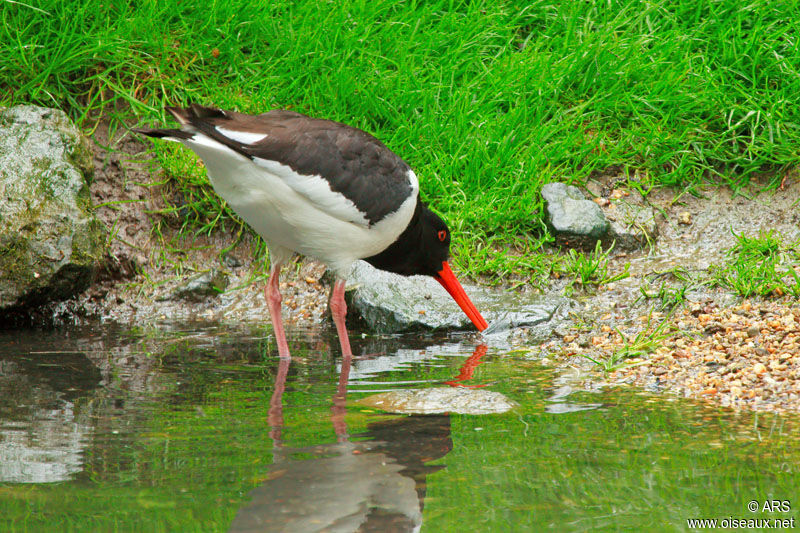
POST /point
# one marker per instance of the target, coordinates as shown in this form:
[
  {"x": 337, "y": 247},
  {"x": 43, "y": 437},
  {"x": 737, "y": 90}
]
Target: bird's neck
[{"x": 399, "y": 257}]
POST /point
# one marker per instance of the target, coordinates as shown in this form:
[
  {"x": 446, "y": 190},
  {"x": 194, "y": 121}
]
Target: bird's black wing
[{"x": 353, "y": 164}]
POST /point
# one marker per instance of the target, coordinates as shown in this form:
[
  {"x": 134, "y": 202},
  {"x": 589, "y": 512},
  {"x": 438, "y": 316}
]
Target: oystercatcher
[{"x": 323, "y": 189}]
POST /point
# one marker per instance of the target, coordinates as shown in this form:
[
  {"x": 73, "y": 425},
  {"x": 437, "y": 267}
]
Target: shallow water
[{"x": 203, "y": 428}]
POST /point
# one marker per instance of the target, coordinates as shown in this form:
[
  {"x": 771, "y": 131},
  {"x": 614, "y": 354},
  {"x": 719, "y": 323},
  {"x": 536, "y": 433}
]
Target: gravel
[{"x": 744, "y": 356}]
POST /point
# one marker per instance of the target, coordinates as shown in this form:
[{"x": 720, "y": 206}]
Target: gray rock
[
  {"x": 389, "y": 303},
  {"x": 632, "y": 223},
  {"x": 574, "y": 220},
  {"x": 50, "y": 242},
  {"x": 460, "y": 400},
  {"x": 201, "y": 286}
]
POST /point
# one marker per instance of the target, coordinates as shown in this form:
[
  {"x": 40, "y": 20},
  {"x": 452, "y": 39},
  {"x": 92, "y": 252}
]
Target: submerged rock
[
  {"x": 50, "y": 242},
  {"x": 201, "y": 286},
  {"x": 461, "y": 400},
  {"x": 574, "y": 220}
]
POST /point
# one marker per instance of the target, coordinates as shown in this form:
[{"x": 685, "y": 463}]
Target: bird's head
[{"x": 424, "y": 249}]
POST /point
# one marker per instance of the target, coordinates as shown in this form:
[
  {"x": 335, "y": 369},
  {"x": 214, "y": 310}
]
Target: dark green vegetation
[
  {"x": 179, "y": 436},
  {"x": 486, "y": 100}
]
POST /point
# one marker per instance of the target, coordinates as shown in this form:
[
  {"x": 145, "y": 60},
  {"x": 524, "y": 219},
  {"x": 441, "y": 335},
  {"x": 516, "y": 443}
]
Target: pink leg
[
  {"x": 339, "y": 311},
  {"x": 272, "y": 293}
]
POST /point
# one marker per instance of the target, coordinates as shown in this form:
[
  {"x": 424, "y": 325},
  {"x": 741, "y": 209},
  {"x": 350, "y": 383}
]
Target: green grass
[
  {"x": 760, "y": 266},
  {"x": 642, "y": 344},
  {"x": 486, "y": 100},
  {"x": 669, "y": 297},
  {"x": 591, "y": 268}
]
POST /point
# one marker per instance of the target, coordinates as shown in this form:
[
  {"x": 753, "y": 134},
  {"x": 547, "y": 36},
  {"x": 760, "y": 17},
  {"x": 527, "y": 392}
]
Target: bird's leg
[
  {"x": 339, "y": 310},
  {"x": 272, "y": 292}
]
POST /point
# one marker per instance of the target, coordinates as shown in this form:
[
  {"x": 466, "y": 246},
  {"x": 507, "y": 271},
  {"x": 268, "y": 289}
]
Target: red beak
[{"x": 448, "y": 280}]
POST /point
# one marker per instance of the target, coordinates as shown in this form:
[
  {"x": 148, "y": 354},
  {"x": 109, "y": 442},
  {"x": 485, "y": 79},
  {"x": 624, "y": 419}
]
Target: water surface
[{"x": 202, "y": 428}]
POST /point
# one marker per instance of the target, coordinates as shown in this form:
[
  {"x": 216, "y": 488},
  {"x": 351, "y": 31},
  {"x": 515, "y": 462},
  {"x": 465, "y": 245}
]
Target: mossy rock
[{"x": 50, "y": 241}]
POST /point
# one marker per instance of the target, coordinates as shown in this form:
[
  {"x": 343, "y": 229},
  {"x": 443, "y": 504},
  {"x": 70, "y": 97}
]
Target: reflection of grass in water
[
  {"x": 184, "y": 457},
  {"x": 640, "y": 463}
]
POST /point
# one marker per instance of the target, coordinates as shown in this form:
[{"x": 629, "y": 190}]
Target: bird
[{"x": 323, "y": 189}]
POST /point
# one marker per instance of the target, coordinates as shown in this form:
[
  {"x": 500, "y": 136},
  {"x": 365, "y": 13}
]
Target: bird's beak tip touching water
[{"x": 448, "y": 280}]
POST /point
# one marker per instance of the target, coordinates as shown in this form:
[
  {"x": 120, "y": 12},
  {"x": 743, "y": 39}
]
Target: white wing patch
[
  {"x": 317, "y": 190},
  {"x": 244, "y": 137},
  {"x": 413, "y": 181}
]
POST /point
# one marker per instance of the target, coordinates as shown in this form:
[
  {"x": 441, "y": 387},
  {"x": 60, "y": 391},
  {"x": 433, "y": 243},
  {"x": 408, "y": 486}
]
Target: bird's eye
[{"x": 442, "y": 235}]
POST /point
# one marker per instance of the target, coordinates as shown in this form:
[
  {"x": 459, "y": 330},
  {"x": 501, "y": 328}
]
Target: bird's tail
[
  {"x": 188, "y": 117},
  {"x": 168, "y": 134}
]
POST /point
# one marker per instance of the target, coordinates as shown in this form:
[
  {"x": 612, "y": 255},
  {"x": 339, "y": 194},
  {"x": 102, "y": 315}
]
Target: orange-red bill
[{"x": 448, "y": 280}]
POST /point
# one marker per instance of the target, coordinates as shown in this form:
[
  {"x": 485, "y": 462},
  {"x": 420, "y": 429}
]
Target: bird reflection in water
[{"x": 376, "y": 483}]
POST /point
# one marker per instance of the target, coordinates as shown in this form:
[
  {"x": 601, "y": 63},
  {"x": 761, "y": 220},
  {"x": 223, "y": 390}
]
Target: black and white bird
[{"x": 323, "y": 189}]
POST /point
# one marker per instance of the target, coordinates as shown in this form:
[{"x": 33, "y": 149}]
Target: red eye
[{"x": 442, "y": 235}]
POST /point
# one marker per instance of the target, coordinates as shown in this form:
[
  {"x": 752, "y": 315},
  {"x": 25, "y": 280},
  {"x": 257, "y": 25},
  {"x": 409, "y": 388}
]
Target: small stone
[
  {"x": 231, "y": 261},
  {"x": 759, "y": 369},
  {"x": 201, "y": 286},
  {"x": 572, "y": 217},
  {"x": 616, "y": 194},
  {"x": 704, "y": 318},
  {"x": 685, "y": 218},
  {"x": 753, "y": 331}
]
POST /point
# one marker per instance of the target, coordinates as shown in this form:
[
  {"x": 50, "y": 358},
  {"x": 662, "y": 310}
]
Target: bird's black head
[
  {"x": 423, "y": 248},
  {"x": 420, "y": 249}
]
